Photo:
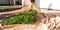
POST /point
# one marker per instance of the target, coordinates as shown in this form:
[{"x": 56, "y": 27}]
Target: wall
[
  {"x": 37, "y": 3},
  {"x": 55, "y": 4},
  {"x": 27, "y": 2},
  {"x": 4, "y": 1}
]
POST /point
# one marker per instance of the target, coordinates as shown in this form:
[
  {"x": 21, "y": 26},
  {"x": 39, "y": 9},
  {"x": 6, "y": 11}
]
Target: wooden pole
[
  {"x": 22, "y": 2},
  {"x": 10, "y": 2},
  {"x": 14, "y": 2}
]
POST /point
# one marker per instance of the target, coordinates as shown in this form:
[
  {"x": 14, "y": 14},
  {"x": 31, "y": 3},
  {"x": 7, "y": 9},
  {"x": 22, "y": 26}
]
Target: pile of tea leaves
[{"x": 22, "y": 18}]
